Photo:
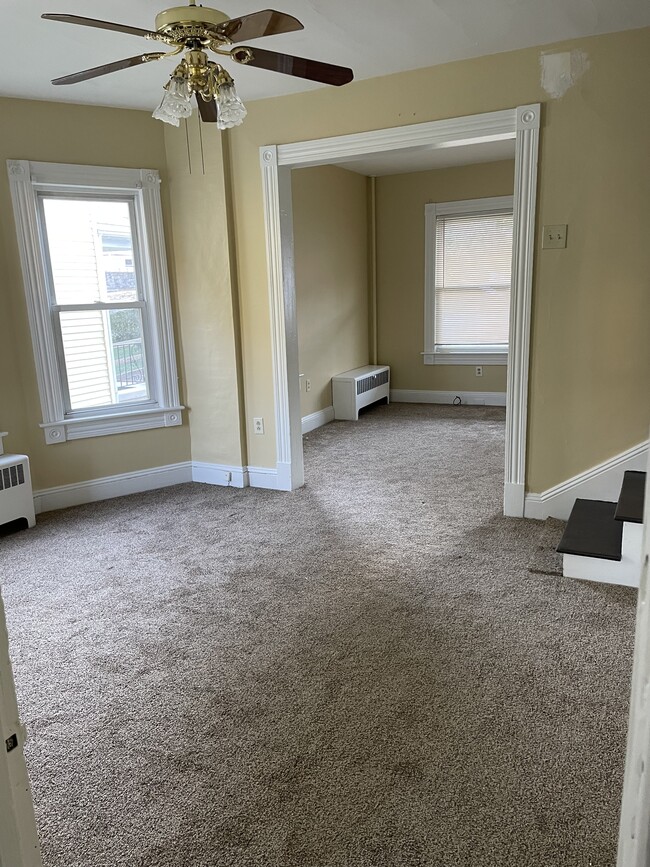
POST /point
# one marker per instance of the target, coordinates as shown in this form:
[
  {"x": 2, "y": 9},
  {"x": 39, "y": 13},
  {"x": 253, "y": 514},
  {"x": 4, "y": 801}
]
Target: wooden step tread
[
  {"x": 592, "y": 531},
  {"x": 632, "y": 498}
]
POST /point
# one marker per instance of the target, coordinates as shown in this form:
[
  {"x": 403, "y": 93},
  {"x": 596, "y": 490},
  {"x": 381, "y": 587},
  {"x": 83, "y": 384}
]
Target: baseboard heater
[
  {"x": 16, "y": 500},
  {"x": 354, "y": 389}
]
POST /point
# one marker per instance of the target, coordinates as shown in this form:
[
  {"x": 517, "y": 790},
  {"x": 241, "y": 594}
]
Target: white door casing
[
  {"x": 634, "y": 832},
  {"x": 19, "y": 845},
  {"x": 521, "y": 124}
]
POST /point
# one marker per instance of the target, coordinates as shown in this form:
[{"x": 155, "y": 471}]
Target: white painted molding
[
  {"x": 523, "y": 244},
  {"x": 3, "y": 434},
  {"x": 317, "y": 419},
  {"x": 219, "y": 474},
  {"x": 602, "y": 482},
  {"x": 104, "y": 425},
  {"x": 278, "y": 218},
  {"x": 94, "y": 490},
  {"x": 634, "y": 830},
  {"x": 521, "y": 124},
  {"x": 19, "y": 846},
  {"x": 470, "y": 398},
  {"x": 263, "y": 477},
  {"x": 468, "y": 358},
  {"x": 472, "y": 129},
  {"x": 105, "y": 488},
  {"x": 513, "y": 499}
]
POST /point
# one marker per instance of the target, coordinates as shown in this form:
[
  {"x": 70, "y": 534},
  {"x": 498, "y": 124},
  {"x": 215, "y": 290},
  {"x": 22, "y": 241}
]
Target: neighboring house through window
[
  {"x": 467, "y": 291},
  {"x": 95, "y": 274}
]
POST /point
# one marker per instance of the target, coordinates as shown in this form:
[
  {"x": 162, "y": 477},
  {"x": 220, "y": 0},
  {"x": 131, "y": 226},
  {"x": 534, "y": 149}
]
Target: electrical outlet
[
  {"x": 479, "y": 370},
  {"x": 258, "y": 425},
  {"x": 308, "y": 385}
]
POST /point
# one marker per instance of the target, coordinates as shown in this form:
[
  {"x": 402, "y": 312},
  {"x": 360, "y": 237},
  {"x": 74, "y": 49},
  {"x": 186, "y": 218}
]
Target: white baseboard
[
  {"x": 219, "y": 474},
  {"x": 469, "y": 398},
  {"x": 317, "y": 419},
  {"x": 93, "y": 490},
  {"x": 513, "y": 500},
  {"x": 602, "y": 482},
  {"x": 263, "y": 477}
]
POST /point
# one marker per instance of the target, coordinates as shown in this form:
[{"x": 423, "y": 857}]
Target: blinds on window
[{"x": 472, "y": 280}]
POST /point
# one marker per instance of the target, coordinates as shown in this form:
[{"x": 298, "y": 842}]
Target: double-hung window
[
  {"x": 467, "y": 292},
  {"x": 95, "y": 275}
]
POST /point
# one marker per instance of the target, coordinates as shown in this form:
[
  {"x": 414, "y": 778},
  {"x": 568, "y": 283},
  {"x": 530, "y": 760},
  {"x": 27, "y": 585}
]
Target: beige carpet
[{"x": 376, "y": 671}]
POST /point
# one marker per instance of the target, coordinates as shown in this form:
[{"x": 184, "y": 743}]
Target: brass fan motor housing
[{"x": 183, "y": 24}]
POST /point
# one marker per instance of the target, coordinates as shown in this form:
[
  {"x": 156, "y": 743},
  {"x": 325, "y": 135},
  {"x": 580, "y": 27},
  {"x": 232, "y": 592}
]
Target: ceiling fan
[{"x": 196, "y": 30}]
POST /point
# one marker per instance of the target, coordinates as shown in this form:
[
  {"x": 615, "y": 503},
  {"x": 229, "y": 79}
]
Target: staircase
[{"x": 602, "y": 540}]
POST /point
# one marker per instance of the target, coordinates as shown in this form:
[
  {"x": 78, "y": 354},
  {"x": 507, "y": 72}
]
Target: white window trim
[
  {"x": 432, "y": 211},
  {"x": 26, "y": 180}
]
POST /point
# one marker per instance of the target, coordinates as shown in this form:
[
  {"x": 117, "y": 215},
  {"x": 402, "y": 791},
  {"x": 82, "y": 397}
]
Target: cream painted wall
[
  {"x": 207, "y": 308},
  {"x": 590, "y": 357},
  {"x": 56, "y": 132},
  {"x": 330, "y": 218},
  {"x": 400, "y": 271}
]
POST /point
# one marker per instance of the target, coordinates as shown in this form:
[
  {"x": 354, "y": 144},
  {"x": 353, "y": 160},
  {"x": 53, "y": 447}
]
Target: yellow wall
[
  {"x": 331, "y": 269},
  {"x": 209, "y": 325},
  {"x": 56, "y": 132},
  {"x": 400, "y": 271},
  {"x": 590, "y": 356}
]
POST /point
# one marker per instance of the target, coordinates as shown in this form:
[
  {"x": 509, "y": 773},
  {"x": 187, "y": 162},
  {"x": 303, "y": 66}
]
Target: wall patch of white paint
[{"x": 561, "y": 70}]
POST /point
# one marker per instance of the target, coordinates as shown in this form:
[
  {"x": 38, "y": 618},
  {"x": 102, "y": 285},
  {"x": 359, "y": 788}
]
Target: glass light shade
[
  {"x": 176, "y": 102},
  {"x": 231, "y": 111}
]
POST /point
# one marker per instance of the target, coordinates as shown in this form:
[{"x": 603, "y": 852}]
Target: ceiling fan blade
[
  {"x": 301, "y": 67},
  {"x": 265, "y": 23},
  {"x": 207, "y": 110},
  {"x": 103, "y": 25},
  {"x": 96, "y": 71}
]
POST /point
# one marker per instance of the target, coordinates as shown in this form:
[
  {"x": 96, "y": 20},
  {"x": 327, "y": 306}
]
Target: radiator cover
[
  {"x": 16, "y": 499},
  {"x": 354, "y": 389}
]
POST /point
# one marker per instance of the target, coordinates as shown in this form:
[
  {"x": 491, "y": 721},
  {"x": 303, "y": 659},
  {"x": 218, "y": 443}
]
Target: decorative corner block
[
  {"x": 55, "y": 434},
  {"x": 173, "y": 418}
]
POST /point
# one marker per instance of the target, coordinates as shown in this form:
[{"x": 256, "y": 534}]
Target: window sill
[
  {"x": 104, "y": 425},
  {"x": 465, "y": 358}
]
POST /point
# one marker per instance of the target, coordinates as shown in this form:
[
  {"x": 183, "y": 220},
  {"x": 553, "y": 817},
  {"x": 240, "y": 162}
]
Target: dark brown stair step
[
  {"x": 632, "y": 497},
  {"x": 592, "y": 531}
]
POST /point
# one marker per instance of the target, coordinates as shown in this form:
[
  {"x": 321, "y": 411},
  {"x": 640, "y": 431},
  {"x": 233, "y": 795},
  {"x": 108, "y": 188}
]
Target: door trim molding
[{"x": 521, "y": 124}]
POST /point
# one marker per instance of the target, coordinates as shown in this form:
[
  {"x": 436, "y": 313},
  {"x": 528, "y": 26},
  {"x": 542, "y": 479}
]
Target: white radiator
[
  {"x": 16, "y": 500},
  {"x": 357, "y": 388}
]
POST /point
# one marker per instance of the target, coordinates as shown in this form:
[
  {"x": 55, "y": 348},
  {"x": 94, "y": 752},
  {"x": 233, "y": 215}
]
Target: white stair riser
[{"x": 625, "y": 571}]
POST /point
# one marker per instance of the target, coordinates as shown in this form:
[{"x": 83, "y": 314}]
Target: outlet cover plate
[{"x": 554, "y": 237}]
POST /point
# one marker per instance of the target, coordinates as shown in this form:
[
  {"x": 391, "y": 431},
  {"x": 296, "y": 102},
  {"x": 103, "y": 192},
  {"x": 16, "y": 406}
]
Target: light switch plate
[{"x": 554, "y": 237}]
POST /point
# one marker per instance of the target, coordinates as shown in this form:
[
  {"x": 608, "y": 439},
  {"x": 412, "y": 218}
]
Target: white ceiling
[
  {"x": 421, "y": 159},
  {"x": 374, "y": 37}
]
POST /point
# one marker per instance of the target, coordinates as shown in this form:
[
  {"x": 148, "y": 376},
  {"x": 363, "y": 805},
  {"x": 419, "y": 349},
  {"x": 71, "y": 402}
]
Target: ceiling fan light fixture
[
  {"x": 176, "y": 102},
  {"x": 231, "y": 111},
  {"x": 197, "y": 30}
]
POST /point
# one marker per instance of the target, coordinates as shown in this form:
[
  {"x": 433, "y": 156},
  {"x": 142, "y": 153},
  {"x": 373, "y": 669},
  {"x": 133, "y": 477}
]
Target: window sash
[{"x": 57, "y": 308}]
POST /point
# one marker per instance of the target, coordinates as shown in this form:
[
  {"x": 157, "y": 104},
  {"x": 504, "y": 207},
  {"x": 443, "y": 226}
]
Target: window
[
  {"x": 467, "y": 293},
  {"x": 95, "y": 276}
]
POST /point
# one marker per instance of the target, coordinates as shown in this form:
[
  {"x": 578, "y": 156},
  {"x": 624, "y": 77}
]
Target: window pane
[
  {"x": 472, "y": 317},
  {"x": 472, "y": 281},
  {"x": 91, "y": 250},
  {"x": 104, "y": 357}
]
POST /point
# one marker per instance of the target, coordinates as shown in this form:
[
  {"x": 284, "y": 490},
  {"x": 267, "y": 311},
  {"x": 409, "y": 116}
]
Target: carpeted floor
[{"x": 376, "y": 671}]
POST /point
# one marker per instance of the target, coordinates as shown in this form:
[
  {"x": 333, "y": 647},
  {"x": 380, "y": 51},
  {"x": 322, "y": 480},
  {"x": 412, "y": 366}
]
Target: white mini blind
[{"x": 472, "y": 280}]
